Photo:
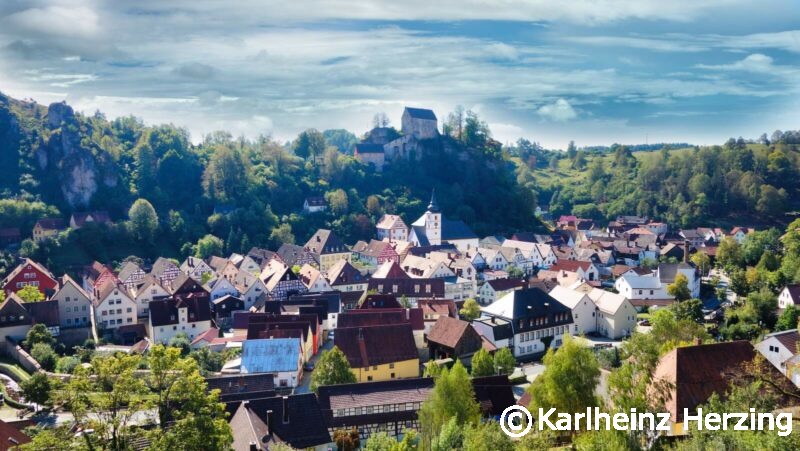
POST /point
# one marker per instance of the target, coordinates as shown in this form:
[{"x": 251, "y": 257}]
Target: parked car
[
  {"x": 644, "y": 322},
  {"x": 308, "y": 367}
]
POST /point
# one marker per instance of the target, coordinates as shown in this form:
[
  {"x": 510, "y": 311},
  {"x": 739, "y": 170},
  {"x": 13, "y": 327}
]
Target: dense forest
[
  {"x": 738, "y": 183},
  {"x": 171, "y": 197}
]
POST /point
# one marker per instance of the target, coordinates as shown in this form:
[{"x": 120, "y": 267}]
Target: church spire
[{"x": 433, "y": 207}]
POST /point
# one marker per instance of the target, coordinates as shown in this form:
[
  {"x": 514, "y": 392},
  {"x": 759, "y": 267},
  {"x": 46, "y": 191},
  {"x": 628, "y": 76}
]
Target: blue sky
[{"x": 593, "y": 71}]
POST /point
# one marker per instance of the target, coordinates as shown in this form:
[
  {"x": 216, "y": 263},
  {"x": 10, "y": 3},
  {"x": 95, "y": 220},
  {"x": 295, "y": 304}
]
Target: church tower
[{"x": 433, "y": 221}]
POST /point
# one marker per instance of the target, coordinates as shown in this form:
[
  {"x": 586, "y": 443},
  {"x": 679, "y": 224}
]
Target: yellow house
[
  {"x": 328, "y": 247},
  {"x": 46, "y": 228},
  {"x": 379, "y": 353}
]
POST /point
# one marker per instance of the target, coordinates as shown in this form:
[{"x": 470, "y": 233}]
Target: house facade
[
  {"x": 112, "y": 306},
  {"x": 392, "y": 228},
  {"x": 74, "y": 304},
  {"x": 30, "y": 273},
  {"x": 538, "y": 321}
]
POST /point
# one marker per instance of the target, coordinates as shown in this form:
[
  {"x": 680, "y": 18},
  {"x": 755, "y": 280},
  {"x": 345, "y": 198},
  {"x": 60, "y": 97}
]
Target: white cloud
[
  {"x": 560, "y": 111},
  {"x": 574, "y": 11},
  {"x": 756, "y": 62},
  {"x": 59, "y": 20}
]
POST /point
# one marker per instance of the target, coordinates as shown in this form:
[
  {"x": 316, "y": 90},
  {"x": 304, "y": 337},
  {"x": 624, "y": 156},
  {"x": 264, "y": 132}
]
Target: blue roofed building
[{"x": 281, "y": 357}]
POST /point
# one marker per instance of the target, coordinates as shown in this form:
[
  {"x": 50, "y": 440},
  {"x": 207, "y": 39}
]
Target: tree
[
  {"x": 702, "y": 261},
  {"x": 37, "y": 388},
  {"x": 504, "y": 361},
  {"x": 282, "y": 234},
  {"x": 482, "y": 364},
  {"x": 38, "y": 333},
  {"x": 470, "y": 310},
  {"x": 487, "y": 437},
  {"x": 105, "y": 398},
  {"x": 338, "y": 202},
  {"x": 346, "y": 439},
  {"x": 688, "y": 310},
  {"x": 207, "y": 246},
  {"x": 179, "y": 393},
  {"x": 227, "y": 176},
  {"x": 182, "y": 342},
  {"x": 143, "y": 220},
  {"x": 679, "y": 289},
  {"x": 452, "y": 397},
  {"x": 309, "y": 144},
  {"x": 380, "y": 120},
  {"x": 729, "y": 253},
  {"x": 44, "y": 354},
  {"x": 67, "y": 364},
  {"x": 569, "y": 379},
  {"x": 450, "y": 438},
  {"x": 332, "y": 368},
  {"x": 29, "y": 293},
  {"x": 788, "y": 319},
  {"x": 380, "y": 441}
]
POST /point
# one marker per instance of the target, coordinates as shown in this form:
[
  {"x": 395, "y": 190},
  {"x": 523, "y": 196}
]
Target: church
[{"x": 431, "y": 229}]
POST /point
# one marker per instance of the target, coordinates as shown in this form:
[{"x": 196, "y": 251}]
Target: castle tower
[{"x": 433, "y": 221}]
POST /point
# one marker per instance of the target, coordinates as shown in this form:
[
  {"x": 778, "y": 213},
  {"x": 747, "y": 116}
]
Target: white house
[
  {"x": 279, "y": 356},
  {"x": 251, "y": 288},
  {"x": 313, "y": 279},
  {"x": 196, "y": 268},
  {"x": 790, "y": 295},
  {"x": 221, "y": 286},
  {"x": 494, "y": 289},
  {"x": 616, "y": 316},
  {"x": 425, "y": 268},
  {"x": 169, "y": 317},
  {"x": 667, "y": 272},
  {"x": 494, "y": 259},
  {"x": 641, "y": 287},
  {"x": 149, "y": 290},
  {"x": 314, "y": 204},
  {"x": 112, "y": 306},
  {"x": 779, "y": 347},
  {"x": 74, "y": 304},
  {"x": 584, "y": 315},
  {"x": 538, "y": 321},
  {"x": 392, "y": 227}
]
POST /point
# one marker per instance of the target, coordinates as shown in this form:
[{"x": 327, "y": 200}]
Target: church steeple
[{"x": 433, "y": 207}]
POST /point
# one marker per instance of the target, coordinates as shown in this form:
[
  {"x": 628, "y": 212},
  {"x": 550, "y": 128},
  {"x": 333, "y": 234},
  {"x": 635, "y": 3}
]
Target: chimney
[
  {"x": 269, "y": 420},
  {"x": 686, "y": 251}
]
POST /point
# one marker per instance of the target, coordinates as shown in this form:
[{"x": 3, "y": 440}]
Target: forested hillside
[
  {"x": 740, "y": 182},
  {"x": 246, "y": 193}
]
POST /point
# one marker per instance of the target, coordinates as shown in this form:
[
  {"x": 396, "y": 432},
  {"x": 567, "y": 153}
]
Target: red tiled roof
[{"x": 696, "y": 372}]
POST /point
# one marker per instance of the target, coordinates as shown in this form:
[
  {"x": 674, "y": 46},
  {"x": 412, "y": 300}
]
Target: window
[
  {"x": 391, "y": 366},
  {"x": 369, "y": 378}
]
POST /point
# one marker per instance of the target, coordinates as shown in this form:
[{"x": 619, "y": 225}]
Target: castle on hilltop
[{"x": 382, "y": 144}]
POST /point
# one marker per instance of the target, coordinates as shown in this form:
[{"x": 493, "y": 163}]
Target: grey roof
[
  {"x": 270, "y": 355},
  {"x": 421, "y": 113},
  {"x": 668, "y": 271},
  {"x": 451, "y": 230},
  {"x": 369, "y": 148},
  {"x": 128, "y": 269}
]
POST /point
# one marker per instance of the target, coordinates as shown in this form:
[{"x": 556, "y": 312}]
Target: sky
[{"x": 593, "y": 71}]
